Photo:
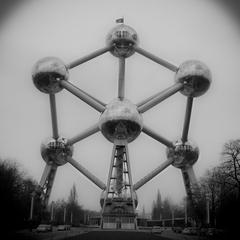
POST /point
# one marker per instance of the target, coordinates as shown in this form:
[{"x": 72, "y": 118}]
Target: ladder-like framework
[
  {"x": 119, "y": 201},
  {"x": 120, "y": 122}
]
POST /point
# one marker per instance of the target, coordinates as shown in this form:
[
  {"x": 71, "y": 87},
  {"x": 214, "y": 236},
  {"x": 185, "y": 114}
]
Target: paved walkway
[
  {"x": 97, "y": 234},
  {"x": 118, "y": 235}
]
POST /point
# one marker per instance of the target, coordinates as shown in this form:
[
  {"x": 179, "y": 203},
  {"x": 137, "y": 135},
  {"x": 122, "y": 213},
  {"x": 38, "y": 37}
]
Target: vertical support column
[
  {"x": 121, "y": 78},
  {"x": 131, "y": 185},
  {"x": 108, "y": 187},
  {"x": 187, "y": 119},
  {"x": 119, "y": 170},
  {"x": 119, "y": 192},
  {"x": 54, "y": 116}
]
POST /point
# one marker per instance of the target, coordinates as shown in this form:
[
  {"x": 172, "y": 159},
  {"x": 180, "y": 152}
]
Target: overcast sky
[{"x": 173, "y": 30}]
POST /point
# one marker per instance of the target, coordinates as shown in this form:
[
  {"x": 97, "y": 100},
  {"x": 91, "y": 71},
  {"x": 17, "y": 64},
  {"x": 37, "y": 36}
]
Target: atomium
[{"x": 120, "y": 122}]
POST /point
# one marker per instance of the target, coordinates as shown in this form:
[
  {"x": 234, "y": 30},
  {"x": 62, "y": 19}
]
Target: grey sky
[{"x": 173, "y": 30}]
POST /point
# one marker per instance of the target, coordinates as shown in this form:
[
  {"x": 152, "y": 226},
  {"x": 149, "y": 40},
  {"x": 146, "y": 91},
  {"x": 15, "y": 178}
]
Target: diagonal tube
[
  {"x": 161, "y": 96},
  {"x": 156, "y": 59},
  {"x": 86, "y": 173},
  {"x": 152, "y": 174},
  {"x": 187, "y": 119},
  {"x": 45, "y": 174},
  {"x": 190, "y": 183},
  {"x": 189, "y": 179},
  {"x": 47, "y": 181},
  {"x": 54, "y": 115},
  {"x": 88, "y": 57},
  {"x": 159, "y": 138},
  {"x": 97, "y": 100},
  {"x": 147, "y": 100},
  {"x": 83, "y": 96},
  {"x": 121, "y": 78},
  {"x": 88, "y": 132}
]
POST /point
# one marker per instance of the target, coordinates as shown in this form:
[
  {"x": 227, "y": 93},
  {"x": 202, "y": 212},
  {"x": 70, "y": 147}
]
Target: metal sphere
[
  {"x": 47, "y": 73},
  {"x": 56, "y": 151},
  {"x": 123, "y": 39},
  {"x": 183, "y": 155},
  {"x": 121, "y": 121},
  {"x": 195, "y": 76}
]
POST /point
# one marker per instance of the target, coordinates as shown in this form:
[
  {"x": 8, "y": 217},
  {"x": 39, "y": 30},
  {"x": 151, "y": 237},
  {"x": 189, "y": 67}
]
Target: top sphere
[
  {"x": 123, "y": 39},
  {"x": 47, "y": 73},
  {"x": 195, "y": 76}
]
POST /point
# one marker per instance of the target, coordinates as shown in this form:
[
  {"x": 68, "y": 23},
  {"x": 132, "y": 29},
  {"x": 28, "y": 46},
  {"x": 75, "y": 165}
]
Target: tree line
[
  {"x": 217, "y": 191},
  {"x": 216, "y": 196},
  {"x": 17, "y": 191}
]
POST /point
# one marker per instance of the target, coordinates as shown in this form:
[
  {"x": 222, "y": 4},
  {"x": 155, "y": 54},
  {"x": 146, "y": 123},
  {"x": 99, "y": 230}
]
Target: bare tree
[
  {"x": 231, "y": 164},
  {"x": 73, "y": 197},
  {"x": 157, "y": 207}
]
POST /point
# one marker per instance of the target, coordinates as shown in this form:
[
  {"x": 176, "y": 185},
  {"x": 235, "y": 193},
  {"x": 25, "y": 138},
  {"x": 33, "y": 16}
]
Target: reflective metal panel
[
  {"x": 56, "y": 151},
  {"x": 121, "y": 121},
  {"x": 47, "y": 73},
  {"x": 183, "y": 155},
  {"x": 196, "y": 77},
  {"x": 122, "y": 38}
]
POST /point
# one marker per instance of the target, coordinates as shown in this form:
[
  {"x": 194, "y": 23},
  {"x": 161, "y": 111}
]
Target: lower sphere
[
  {"x": 56, "y": 151},
  {"x": 183, "y": 155}
]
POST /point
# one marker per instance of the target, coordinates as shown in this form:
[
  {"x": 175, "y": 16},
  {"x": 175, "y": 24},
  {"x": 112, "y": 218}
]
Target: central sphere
[{"x": 121, "y": 121}]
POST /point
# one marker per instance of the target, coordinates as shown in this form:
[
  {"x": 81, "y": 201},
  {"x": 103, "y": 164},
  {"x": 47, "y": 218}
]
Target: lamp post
[
  {"x": 52, "y": 212},
  {"x": 207, "y": 209},
  {"x": 64, "y": 214},
  {"x": 172, "y": 217},
  {"x": 186, "y": 213},
  {"x": 32, "y": 205}
]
